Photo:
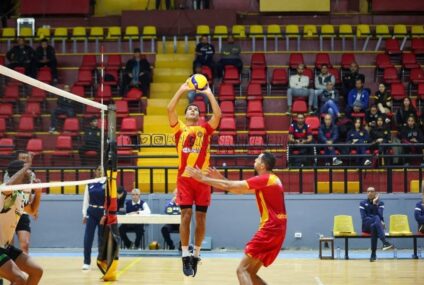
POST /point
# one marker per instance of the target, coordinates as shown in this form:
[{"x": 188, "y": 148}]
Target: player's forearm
[
  {"x": 19, "y": 176},
  {"x": 217, "y": 183},
  {"x": 35, "y": 205}
]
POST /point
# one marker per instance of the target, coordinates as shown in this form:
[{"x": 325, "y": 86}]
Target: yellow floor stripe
[{"x": 125, "y": 269}]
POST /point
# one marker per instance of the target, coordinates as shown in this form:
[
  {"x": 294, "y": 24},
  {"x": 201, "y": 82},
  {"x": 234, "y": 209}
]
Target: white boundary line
[
  {"x": 318, "y": 281},
  {"x": 27, "y": 187}
]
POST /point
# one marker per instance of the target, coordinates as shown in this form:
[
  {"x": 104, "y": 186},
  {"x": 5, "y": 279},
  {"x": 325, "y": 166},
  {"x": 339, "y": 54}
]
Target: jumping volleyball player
[
  {"x": 265, "y": 245},
  {"x": 13, "y": 262},
  {"x": 192, "y": 142}
]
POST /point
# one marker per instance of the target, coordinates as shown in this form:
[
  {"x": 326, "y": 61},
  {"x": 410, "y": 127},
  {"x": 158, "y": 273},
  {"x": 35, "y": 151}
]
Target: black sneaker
[
  {"x": 187, "y": 266},
  {"x": 194, "y": 261},
  {"x": 387, "y": 245},
  {"x": 373, "y": 257}
]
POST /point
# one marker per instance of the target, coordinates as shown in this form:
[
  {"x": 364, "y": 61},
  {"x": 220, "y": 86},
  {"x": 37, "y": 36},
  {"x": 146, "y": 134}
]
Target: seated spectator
[
  {"x": 167, "y": 4},
  {"x": 371, "y": 116},
  {"x": 411, "y": 134},
  {"x": 373, "y": 221},
  {"x": 299, "y": 134},
  {"x": 230, "y": 55},
  {"x": 357, "y": 99},
  {"x": 329, "y": 134},
  {"x": 383, "y": 99},
  {"x": 91, "y": 141},
  {"x": 404, "y": 112},
  {"x": 419, "y": 214},
  {"x": 171, "y": 209},
  {"x": 358, "y": 135},
  {"x": 204, "y": 54},
  {"x": 380, "y": 134},
  {"x": 65, "y": 107},
  {"x": 322, "y": 79},
  {"x": 135, "y": 206},
  {"x": 45, "y": 55},
  {"x": 21, "y": 55},
  {"x": 138, "y": 73},
  {"x": 330, "y": 101},
  {"x": 350, "y": 77},
  {"x": 299, "y": 87}
]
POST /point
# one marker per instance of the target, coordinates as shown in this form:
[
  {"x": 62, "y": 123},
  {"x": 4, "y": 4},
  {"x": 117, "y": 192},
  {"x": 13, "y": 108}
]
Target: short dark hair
[
  {"x": 359, "y": 78},
  {"x": 91, "y": 119},
  {"x": 322, "y": 65},
  {"x": 137, "y": 50},
  {"x": 185, "y": 111},
  {"x": 14, "y": 166},
  {"x": 269, "y": 160}
]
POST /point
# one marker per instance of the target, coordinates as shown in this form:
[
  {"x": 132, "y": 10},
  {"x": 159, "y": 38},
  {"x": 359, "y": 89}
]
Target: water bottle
[
  {"x": 338, "y": 252},
  {"x": 395, "y": 253}
]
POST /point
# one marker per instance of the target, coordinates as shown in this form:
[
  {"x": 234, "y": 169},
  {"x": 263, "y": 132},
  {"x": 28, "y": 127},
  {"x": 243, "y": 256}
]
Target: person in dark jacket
[
  {"x": 204, "y": 54},
  {"x": 45, "y": 55},
  {"x": 350, "y": 77},
  {"x": 91, "y": 141},
  {"x": 419, "y": 214},
  {"x": 299, "y": 135},
  {"x": 358, "y": 135},
  {"x": 171, "y": 209},
  {"x": 138, "y": 73},
  {"x": 64, "y": 106},
  {"x": 380, "y": 135},
  {"x": 328, "y": 134},
  {"x": 371, "y": 116},
  {"x": 404, "y": 112},
  {"x": 372, "y": 217},
  {"x": 21, "y": 55},
  {"x": 411, "y": 134},
  {"x": 330, "y": 101},
  {"x": 383, "y": 100}
]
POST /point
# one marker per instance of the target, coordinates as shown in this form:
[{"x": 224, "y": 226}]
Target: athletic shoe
[
  {"x": 337, "y": 162},
  {"x": 387, "y": 245},
  {"x": 367, "y": 162},
  {"x": 194, "y": 261},
  {"x": 373, "y": 257},
  {"x": 187, "y": 266},
  {"x": 86, "y": 267}
]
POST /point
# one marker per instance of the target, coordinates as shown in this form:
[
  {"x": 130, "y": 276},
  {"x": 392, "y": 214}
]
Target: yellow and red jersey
[{"x": 193, "y": 145}]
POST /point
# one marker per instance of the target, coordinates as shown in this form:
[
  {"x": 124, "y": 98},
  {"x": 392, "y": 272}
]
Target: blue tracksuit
[
  {"x": 372, "y": 216},
  {"x": 419, "y": 213}
]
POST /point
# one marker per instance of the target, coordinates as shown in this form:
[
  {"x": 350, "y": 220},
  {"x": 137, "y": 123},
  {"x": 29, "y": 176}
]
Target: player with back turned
[{"x": 192, "y": 142}]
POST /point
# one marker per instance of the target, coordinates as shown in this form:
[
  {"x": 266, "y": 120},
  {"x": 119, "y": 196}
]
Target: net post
[{"x": 112, "y": 153}]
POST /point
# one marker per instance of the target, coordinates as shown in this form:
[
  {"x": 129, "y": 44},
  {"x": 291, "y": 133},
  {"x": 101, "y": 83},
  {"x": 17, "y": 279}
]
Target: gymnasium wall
[{"x": 231, "y": 220}]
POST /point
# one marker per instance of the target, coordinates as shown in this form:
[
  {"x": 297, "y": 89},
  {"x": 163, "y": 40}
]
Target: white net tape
[{"x": 29, "y": 187}]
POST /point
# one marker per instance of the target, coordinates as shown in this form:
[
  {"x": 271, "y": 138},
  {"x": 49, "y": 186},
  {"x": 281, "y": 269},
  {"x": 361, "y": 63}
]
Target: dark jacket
[
  {"x": 330, "y": 95},
  {"x": 349, "y": 79},
  {"x": 369, "y": 210},
  {"x": 419, "y": 213},
  {"x": 371, "y": 119},
  {"x": 361, "y": 135},
  {"x": 144, "y": 66},
  {"x": 383, "y": 98},
  {"x": 92, "y": 137},
  {"x": 380, "y": 133},
  {"x": 65, "y": 103},
  {"x": 20, "y": 55},
  {"x": 206, "y": 52},
  {"x": 49, "y": 53},
  {"x": 325, "y": 134},
  {"x": 130, "y": 208},
  {"x": 408, "y": 133},
  {"x": 402, "y": 115}
]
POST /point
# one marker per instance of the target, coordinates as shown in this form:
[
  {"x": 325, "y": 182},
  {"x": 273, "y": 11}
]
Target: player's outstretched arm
[
  {"x": 172, "y": 106},
  {"x": 216, "y": 118},
  {"x": 237, "y": 187},
  {"x": 19, "y": 176},
  {"x": 32, "y": 208}
]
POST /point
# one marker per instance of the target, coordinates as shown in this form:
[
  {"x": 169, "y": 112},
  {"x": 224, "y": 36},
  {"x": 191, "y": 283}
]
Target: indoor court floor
[{"x": 219, "y": 269}]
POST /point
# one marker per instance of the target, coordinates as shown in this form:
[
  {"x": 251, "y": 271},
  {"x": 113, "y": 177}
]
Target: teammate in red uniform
[
  {"x": 192, "y": 141},
  {"x": 265, "y": 245}
]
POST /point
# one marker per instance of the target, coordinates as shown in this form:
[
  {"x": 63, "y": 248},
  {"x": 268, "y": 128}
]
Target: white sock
[
  {"x": 185, "y": 251},
  {"x": 196, "y": 251}
]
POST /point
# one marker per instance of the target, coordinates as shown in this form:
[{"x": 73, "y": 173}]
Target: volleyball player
[
  {"x": 13, "y": 262},
  {"x": 192, "y": 141},
  {"x": 266, "y": 244}
]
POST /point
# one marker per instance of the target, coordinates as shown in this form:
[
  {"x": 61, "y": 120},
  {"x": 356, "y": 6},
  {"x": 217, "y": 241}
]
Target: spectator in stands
[
  {"x": 358, "y": 98},
  {"x": 350, "y": 78},
  {"x": 371, "y": 211},
  {"x": 167, "y": 4},
  {"x": 379, "y": 135},
  {"x": 404, "y": 112},
  {"x": 122, "y": 196},
  {"x": 65, "y": 107},
  {"x": 329, "y": 134},
  {"x": 204, "y": 54},
  {"x": 91, "y": 141},
  {"x": 383, "y": 99},
  {"x": 322, "y": 79},
  {"x": 135, "y": 206},
  {"x": 358, "y": 135},
  {"x": 138, "y": 73},
  {"x": 93, "y": 215},
  {"x": 171, "y": 209},
  {"x": 230, "y": 55},
  {"x": 419, "y": 214},
  {"x": 22, "y": 55},
  {"x": 299, "y": 135},
  {"x": 330, "y": 101},
  {"x": 45, "y": 55},
  {"x": 410, "y": 135},
  {"x": 299, "y": 87},
  {"x": 371, "y": 116}
]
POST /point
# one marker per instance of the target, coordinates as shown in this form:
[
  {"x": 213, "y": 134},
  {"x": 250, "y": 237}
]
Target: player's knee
[
  {"x": 19, "y": 279},
  {"x": 241, "y": 270}
]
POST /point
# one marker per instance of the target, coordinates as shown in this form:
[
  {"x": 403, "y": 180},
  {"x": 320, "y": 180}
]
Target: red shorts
[
  {"x": 192, "y": 192},
  {"x": 266, "y": 243}
]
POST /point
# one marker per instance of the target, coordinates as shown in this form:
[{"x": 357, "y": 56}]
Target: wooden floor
[{"x": 221, "y": 271}]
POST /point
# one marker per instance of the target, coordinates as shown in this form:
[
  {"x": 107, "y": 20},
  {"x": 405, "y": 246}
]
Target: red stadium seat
[
  {"x": 295, "y": 59},
  {"x": 390, "y": 75},
  {"x": 207, "y": 71},
  {"x": 299, "y": 106},
  {"x": 322, "y": 59},
  {"x": 336, "y": 73},
  {"x": 256, "y": 145},
  {"x": 417, "y": 46},
  {"x": 2, "y": 61},
  {"x": 409, "y": 61},
  {"x": 393, "y": 47},
  {"x": 258, "y": 60},
  {"x": 279, "y": 78},
  {"x": 63, "y": 147},
  {"x": 124, "y": 145},
  {"x": 7, "y": 147},
  {"x": 37, "y": 95},
  {"x": 382, "y": 61},
  {"x": 416, "y": 76},
  {"x": 254, "y": 108},
  {"x": 71, "y": 127},
  {"x": 226, "y": 92},
  {"x": 314, "y": 123},
  {"x": 228, "y": 126},
  {"x": 32, "y": 109},
  {"x": 122, "y": 108},
  {"x": 114, "y": 61},
  {"x": 310, "y": 73},
  {"x": 134, "y": 95},
  {"x": 258, "y": 76},
  {"x": 35, "y": 145},
  {"x": 111, "y": 73},
  {"x": 257, "y": 126},
  {"x": 129, "y": 126},
  {"x": 360, "y": 115},
  {"x": 421, "y": 91},
  {"x": 44, "y": 74},
  {"x": 85, "y": 77},
  {"x": 231, "y": 75},
  {"x": 89, "y": 62},
  {"x": 225, "y": 144},
  {"x": 25, "y": 127},
  {"x": 11, "y": 94},
  {"x": 227, "y": 108},
  {"x": 346, "y": 60},
  {"x": 91, "y": 111},
  {"x": 254, "y": 91},
  {"x": 6, "y": 111},
  {"x": 397, "y": 90},
  {"x": 78, "y": 90},
  {"x": 3, "y": 127},
  {"x": 106, "y": 94}
]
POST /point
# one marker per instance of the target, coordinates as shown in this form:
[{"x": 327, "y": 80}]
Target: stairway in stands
[{"x": 172, "y": 67}]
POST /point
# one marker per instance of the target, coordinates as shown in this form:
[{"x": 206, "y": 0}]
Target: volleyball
[
  {"x": 154, "y": 245},
  {"x": 198, "y": 82}
]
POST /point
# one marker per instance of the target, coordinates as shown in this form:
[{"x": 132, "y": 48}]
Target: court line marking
[
  {"x": 319, "y": 282},
  {"x": 125, "y": 269}
]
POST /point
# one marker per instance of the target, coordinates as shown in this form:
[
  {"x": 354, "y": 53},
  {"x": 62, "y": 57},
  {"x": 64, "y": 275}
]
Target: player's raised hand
[
  {"x": 185, "y": 88},
  {"x": 214, "y": 173},
  {"x": 194, "y": 173}
]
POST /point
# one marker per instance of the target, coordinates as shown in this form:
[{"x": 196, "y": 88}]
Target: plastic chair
[
  {"x": 343, "y": 225},
  {"x": 399, "y": 225}
]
